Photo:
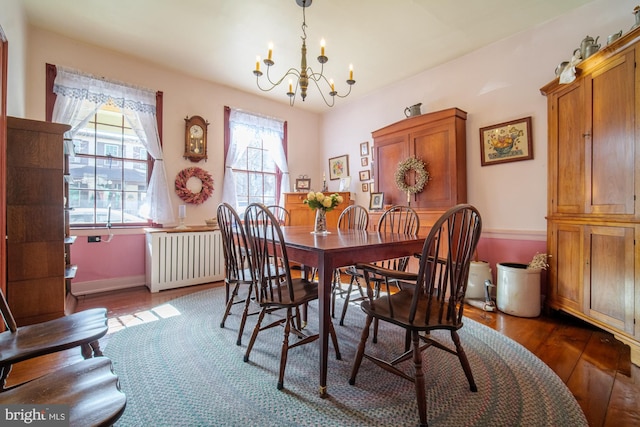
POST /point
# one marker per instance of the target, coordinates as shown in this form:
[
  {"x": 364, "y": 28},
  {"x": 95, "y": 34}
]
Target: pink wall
[
  {"x": 494, "y": 251},
  {"x": 122, "y": 257}
]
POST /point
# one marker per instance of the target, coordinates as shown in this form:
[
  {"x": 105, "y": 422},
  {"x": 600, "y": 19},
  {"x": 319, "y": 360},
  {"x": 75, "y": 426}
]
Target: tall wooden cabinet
[
  {"x": 439, "y": 140},
  {"x": 593, "y": 211},
  {"x": 36, "y": 249}
]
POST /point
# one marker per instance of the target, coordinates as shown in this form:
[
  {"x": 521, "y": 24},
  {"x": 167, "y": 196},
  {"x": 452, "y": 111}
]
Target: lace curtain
[
  {"x": 243, "y": 128},
  {"x": 80, "y": 96}
]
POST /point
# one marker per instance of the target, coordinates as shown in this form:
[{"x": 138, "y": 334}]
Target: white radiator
[{"x": 182, "y": 258}]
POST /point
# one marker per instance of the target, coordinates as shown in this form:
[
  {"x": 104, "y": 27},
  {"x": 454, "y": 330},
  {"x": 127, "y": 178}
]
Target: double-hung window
[
  {"x": 256, "y": 168},
  {"x": 116, "y": 173}
]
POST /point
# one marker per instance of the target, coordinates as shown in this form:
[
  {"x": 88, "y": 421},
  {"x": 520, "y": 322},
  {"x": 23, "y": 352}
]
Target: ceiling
[{"x": 218, "y": 40}]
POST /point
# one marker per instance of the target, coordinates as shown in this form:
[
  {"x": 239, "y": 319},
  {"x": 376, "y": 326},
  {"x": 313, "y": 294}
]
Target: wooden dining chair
[
  {"x": 278, "y": 293},
  {"x": 435, "y": 302},
  {"x": 89, "y": 389},
  {"x": 282, "y": 214},
  {"x": 19, "y": 343},
  {"x": 239, "y": 271},
  {"x": 396, "y": 219},
  {"x": 354, "y": 217}
]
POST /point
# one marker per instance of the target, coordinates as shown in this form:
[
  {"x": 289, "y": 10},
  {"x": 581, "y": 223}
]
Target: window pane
[{"x": 103, "y": 187}]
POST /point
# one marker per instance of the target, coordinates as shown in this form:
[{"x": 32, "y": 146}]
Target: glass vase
[{"x": 320, "y": 224}]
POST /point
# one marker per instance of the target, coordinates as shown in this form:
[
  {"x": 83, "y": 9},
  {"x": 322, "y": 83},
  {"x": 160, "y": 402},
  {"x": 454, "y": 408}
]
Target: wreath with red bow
[{"x": 189, "y": 196}]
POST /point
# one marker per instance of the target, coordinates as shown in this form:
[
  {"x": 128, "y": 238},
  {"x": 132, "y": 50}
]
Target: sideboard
[{"x": 302, "y": 214}]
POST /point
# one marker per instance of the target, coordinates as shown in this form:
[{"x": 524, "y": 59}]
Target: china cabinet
[
  {"x": 37, "y": 248},
  {"x": 593, "y": 214}
]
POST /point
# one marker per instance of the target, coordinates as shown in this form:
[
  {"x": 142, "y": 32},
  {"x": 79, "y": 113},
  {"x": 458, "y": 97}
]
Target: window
[
  {"x": 256, "y": 169},
  {"x": 115, "y": 139},
  {"x": 108, "y": 181},
  {"x": 256, "y": 176}
]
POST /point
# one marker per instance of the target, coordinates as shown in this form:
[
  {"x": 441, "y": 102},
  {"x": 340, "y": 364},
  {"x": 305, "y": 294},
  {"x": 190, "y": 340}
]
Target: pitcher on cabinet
[{"x": 414, "y": 110}]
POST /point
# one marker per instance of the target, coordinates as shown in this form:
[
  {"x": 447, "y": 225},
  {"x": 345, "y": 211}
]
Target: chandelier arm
[
  {"x": 322, "y": 93},
  {"x": 291, "y": 72}
]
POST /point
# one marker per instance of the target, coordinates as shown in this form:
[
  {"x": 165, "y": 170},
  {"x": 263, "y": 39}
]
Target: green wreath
[{"x": 422, "y": 175}]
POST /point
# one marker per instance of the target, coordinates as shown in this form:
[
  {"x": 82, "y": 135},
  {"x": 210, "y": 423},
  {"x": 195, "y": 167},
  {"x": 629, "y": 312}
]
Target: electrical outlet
[{"x": 95, "y": 239}]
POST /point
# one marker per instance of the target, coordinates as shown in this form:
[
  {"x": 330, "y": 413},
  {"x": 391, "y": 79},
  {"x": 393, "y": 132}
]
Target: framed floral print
[
  {"x": 506, "y": 142},
  {"x": 338, "y": 167}
]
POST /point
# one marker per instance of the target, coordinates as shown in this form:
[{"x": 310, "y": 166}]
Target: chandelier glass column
[{"x": 306, "y": 74}]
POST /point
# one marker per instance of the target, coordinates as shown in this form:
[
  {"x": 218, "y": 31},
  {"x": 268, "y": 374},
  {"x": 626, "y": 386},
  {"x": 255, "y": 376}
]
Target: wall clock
[{"x": 195, "y": 139}]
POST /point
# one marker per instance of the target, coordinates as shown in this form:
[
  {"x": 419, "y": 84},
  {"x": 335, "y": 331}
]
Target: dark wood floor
[{"x": 595, "y": 366}]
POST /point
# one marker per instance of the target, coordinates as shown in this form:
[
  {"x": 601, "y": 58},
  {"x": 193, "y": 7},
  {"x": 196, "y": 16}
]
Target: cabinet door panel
[
  {"x": 610, "y": 162},
  {"x": 567, "y": 151},
  {"x": 387, "y": 154},
  {"x": 610, "y": 276},
  {"x": 567, "y": 283},
  {"x": 436, "y": 148}
]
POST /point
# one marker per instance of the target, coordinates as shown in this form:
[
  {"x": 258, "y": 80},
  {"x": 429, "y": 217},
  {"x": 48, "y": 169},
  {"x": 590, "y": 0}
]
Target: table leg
[{"x": 324, "y": 303}]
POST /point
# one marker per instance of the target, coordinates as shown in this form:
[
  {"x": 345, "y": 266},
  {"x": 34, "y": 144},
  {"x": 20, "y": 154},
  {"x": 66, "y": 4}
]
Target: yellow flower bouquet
[{"x": 320, "y": 201}]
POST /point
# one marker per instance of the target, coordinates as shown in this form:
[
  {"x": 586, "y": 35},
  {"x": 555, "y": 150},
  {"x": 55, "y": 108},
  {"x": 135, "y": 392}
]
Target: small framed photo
[
  {"x": 364, "y": 148},
  {"x": 338, "y": 167},
  {"x": 303, "y": 184},
  {"x": 506, "y": 142},
  {"x": 365, "y": 175},
  {"x": 365, "y": 187},
  {"x": 376, "y": 202},
  {"x": 364, "y": 161},
  {"x": 345, "y": 183}
]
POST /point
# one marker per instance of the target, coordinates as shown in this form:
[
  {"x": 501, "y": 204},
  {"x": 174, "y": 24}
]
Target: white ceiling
[{"x": 218, "y": 40}]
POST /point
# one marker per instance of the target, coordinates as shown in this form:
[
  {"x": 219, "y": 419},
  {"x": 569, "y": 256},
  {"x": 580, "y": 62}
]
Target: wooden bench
[{"x": 89, "y": 388}]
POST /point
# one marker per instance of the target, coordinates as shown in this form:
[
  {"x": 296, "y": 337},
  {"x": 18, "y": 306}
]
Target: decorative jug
[
  {"x": 589, "y": 46},
  {"x": 414, "y": 110}
]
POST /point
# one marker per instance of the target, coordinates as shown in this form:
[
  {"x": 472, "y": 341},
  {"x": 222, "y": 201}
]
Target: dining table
[{"x": 341, "y": 248}]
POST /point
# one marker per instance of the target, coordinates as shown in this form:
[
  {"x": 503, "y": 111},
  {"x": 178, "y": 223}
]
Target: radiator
[{"x": 183, "y": 258}]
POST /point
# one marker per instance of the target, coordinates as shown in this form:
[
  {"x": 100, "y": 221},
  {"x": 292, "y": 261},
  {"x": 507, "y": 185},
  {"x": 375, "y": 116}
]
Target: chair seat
[
  {"x": 89, "y": 388},
  {"x": 401, "y": 305},
  {"x": 303, "y": 292},
  {"x": 52, "y": 336}
]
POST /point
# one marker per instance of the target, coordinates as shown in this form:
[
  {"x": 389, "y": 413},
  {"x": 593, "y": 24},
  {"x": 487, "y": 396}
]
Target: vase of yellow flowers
[{"x": 322, "y": 204}]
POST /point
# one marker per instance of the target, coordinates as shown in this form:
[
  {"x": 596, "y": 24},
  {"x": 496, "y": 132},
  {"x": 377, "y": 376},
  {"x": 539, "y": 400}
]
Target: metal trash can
[
  {"x": 518, "y": 289},
  {"x": 479, "y": 271}
]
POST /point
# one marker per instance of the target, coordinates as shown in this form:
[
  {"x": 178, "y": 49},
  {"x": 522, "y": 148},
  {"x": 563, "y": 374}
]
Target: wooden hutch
[
  {"x": 439, "y": 140},
  {"x": 593, "y": 212}
]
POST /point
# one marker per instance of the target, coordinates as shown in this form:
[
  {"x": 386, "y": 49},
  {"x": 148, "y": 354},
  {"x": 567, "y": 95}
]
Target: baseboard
[{"x": 106, "y": 285}]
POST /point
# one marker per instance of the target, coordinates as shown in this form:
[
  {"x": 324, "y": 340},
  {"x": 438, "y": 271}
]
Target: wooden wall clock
[{"x": 195, "y": 138}]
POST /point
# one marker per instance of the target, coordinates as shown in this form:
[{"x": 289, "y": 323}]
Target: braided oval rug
[{"x": 179, "y": 368}]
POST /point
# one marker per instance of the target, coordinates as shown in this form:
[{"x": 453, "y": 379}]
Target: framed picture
[
  {"x": 345, "y": 183},
  {"x": 364, "y": 161},
  {"x": 365, "y": 175},
  {"x": 338, "y": 167},
  {"x": 364, "y": 148},
  {"x": 506, "y": 142},
  {"x": 303, "y": 184},
  {"x": 376, "y": 202},
  {"x": 365, "y": 187}
]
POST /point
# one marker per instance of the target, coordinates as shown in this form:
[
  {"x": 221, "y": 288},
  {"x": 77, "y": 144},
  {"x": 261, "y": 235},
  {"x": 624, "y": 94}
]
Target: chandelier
[{"x": 300, "y": 79}]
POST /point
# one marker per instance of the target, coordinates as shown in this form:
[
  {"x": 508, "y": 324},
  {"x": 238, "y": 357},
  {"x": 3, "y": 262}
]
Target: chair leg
[
  {"x": 256, "y": 329},
  {"x": 462, "y": 356},
  {"x": 245, "y": 314},
  {"x": 360, "y": 353},
  {"x": 346, "y": 299},
  {"x": 230, "y": 300},
  {"x": 421, "y": 397},
  {"x": 285, "y": 348},
  {"x": 334, "y": 338}
]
